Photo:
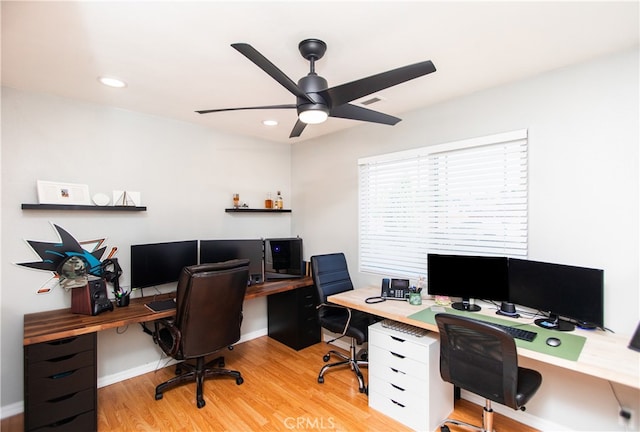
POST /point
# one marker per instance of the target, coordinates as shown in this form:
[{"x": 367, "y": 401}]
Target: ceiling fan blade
[
  {"x": 348, "y": 92},
  {"x": 297, "y": 129},
  {"x": 354, "y": 112},
  {"x": 287, "y": 106},
  {"x": 261, "y": 61}
]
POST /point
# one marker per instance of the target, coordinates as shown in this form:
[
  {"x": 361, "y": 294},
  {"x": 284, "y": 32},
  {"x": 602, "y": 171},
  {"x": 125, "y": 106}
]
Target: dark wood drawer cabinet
[
  {"x": 292, "y": 317},
  {"x": 60, "y": 391}
]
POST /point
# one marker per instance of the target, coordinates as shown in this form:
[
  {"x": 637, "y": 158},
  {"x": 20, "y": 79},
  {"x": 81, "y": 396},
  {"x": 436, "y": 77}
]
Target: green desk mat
[{"x": 569, "y": 349}]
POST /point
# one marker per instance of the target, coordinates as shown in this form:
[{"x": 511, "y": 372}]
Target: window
[{"x": 467, "y": 198}]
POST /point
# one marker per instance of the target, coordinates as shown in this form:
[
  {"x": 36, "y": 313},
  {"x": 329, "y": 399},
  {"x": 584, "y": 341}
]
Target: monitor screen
[
  {"x": 160, "y": 263},
  {"x": 560, "y": 290},
  {"x": 283, "y": 258},
  {"x": 477, "y": 277},
  {"x": 212, "y": 251}
]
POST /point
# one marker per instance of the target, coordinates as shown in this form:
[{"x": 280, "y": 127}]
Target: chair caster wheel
[
  {"x": 320, "y": 380},
  {"x": 230, "y": 347},
  {"x": 221, "y": 363},
  {"x": 326, "y": 358},
  {"x": 239, "y": 380},
  {"x": 158, "y": 396},
  {"x": 201, "y": 403},
  {"x": 444, "y": 429}
]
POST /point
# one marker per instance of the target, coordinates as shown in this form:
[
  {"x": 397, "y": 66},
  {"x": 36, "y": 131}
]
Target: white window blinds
[{"x": 465, "y": 198}]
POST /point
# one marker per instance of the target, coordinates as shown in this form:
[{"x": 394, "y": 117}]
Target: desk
[
  {"x": 604, "y": 355},
  {"x": 60, "y": 350}
]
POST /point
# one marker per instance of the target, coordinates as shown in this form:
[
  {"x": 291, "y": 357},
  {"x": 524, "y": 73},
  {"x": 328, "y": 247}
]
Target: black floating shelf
[
  {"x": 80, "y": 207},
  {"x": 255, "y": 210}
]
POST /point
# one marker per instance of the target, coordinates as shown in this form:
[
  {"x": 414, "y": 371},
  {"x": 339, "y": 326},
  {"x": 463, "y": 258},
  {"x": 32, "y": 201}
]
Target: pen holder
[
  {"x": 415, "y": 298},
  {"x": 122, "y": 301}
]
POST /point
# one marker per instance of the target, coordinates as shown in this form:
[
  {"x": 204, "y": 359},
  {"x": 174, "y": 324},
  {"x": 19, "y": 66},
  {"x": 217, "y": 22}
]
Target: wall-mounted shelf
[
  {"x": 255, "y": 210},
  {"x": 80, "y": 207}
]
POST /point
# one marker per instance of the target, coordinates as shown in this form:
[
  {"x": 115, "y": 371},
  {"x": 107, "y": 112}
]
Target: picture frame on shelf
[{"x": 50, "y": 192}]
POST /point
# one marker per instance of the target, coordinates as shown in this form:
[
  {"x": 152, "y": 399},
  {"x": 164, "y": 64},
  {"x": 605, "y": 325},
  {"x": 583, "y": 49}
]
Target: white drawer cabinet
[{"x": 404, "y": 378}]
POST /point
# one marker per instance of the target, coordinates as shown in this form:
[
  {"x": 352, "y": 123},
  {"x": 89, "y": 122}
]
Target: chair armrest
[
  {"x": 346, "y": 325},
  {"x": 167, "y": 336}
]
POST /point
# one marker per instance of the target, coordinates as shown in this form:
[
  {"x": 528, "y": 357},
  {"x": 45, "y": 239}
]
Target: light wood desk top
[
  {"x": 605, "y": 355},
  {"x": 61, "y": 323}
]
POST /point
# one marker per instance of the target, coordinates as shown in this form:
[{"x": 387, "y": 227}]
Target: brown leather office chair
[
  {"x": 331, "y": 276},
  {"x": 209, "y": 301},
  {"x": 482, "y": 359}
]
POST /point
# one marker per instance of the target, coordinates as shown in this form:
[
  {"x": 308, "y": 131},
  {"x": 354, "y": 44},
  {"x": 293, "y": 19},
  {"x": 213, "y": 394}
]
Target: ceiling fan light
[{"x": 313, "y": 116}]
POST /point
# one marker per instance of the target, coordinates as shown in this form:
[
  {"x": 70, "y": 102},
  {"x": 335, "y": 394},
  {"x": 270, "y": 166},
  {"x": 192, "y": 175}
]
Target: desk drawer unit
[
  {"x": 404, "y": 378},
  {"x": 292, "y": 317},
  {"x": 60, "y": 385}
]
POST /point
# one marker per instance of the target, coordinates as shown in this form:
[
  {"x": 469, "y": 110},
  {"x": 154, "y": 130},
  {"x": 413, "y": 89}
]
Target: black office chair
[
  {"x": 482, "y": 359},
  {"x": 209, "y": 301},
  {"x": 331, "y": 276}
]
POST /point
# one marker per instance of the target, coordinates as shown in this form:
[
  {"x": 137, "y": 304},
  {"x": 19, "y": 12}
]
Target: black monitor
[
  {"x": 160, "y": 263},
  {"x": 212, "y": 251},
  {"x": 560, "y": 290},
  {"x": 283, "y": 258},
  {"x": 478, "y": 277}
]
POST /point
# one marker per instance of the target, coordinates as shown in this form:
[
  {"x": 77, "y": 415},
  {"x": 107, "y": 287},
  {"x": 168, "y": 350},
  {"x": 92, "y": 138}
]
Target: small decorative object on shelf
[
  {"x": 279, "y": 204},
  {"x": 268, "y": 202},
  {"x": 236, "y": 200},
  {"x": 255, "y": 210}
]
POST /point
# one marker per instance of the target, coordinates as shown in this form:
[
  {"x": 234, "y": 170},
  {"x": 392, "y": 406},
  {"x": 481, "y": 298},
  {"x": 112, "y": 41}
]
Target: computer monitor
[
  {"x": 212, "y": 251},
  {"x": 160, "y": 263},
  {"x": 468, "y": 277},
  {"x": 575, "y": 293},
  {"x": 283, "y": 258}
]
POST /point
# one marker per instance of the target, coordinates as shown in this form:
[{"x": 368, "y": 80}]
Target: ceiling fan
[{"x": 316, "y": 101}]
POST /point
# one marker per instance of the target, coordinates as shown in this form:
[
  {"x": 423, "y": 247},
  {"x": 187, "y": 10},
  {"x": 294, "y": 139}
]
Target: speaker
[
  {"x": 91, "y": 299},
  {"x": 508, "y": 309}
]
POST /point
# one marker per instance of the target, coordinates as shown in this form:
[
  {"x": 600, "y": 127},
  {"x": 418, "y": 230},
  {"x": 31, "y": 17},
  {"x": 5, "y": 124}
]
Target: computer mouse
[{"x": 553, "y": 341}]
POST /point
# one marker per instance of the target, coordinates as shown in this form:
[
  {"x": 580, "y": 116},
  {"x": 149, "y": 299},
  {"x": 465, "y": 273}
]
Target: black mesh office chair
[
  {"x": 209, "y": 301},
  {"x": 482, "y": 359},
  {"x": 331, "y": 276}
]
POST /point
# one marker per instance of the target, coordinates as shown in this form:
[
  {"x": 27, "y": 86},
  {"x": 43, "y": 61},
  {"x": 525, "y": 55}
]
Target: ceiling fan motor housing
[{"x": 311, "y": 85}]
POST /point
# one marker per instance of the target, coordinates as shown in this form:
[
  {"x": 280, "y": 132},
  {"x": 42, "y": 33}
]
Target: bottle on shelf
[
  {"x": 279, "y": 204},
  {"x": 268, "y": 202}
]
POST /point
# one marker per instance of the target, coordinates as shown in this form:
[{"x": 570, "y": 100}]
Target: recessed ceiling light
[
  {"x": 112, "y": 82},
  {"x": 270, "y": 122}
]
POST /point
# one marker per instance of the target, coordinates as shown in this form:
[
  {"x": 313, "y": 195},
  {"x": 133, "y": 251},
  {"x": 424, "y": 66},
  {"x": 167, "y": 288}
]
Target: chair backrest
[
  {"x": 479, "y": 358},
  {"x": 209, "y": 301},
  {"x": 330, "y": 275}
]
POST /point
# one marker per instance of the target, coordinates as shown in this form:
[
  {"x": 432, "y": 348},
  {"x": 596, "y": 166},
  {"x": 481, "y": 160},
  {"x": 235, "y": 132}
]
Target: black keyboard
[{"x": 517, "y": 332}]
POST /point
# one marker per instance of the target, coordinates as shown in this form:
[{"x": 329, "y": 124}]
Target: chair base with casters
[
  {"x": 198, "y": 373},
  {"x": 487, "y": 421},
  {"x": 351, "y": 360}
]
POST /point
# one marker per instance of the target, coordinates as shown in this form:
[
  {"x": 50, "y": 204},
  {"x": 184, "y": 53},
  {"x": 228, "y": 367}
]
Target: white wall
[
  {"x": 583, "y": 124},
  {"x": 185, "y": 173}
]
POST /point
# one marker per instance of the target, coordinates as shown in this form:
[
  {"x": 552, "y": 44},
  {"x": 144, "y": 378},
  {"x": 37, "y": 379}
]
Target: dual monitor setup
[
  {"x": 558, "y": 290},
  {"x": 269, "y": 259}
]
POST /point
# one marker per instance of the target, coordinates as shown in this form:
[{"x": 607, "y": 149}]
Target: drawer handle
[
  {"x": 61, "y": 398},
  {"x": 62, "y": 374},
  {"x": 395, "y": 386},
  {"x": 397, "y": 371},
  {"x": 63, "y": 358},
  {"x": 398, "y": 339},
  {"x": 396, "y": 355},
  {"x": 397, "y": 403},
  {"x": 62, "y": 422},
  {"x": 63, "y": 341}
]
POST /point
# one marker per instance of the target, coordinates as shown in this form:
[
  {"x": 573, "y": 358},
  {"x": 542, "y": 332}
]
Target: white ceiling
[{"x": 176, "y": 55}]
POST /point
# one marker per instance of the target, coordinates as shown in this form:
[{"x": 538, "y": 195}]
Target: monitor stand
[
  {"x": 554, "y": 323},
  {"x": 465, "y": 305}
]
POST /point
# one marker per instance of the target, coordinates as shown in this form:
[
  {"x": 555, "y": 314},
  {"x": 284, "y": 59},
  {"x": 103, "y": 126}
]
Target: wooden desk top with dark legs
[{"x": 61, "y": 323}]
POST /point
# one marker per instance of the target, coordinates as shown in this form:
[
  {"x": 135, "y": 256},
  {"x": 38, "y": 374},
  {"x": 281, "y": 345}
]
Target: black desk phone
[{"x": 395, "y": 289}]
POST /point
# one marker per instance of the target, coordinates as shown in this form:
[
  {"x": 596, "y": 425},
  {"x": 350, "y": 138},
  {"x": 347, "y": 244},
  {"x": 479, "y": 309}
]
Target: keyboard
[
  {"x": 517, "y": 332},
  {"x": 161, "y": 305},
  {"x": 404, "y": 328}
]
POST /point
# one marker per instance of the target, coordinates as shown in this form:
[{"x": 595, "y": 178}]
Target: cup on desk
[
  {"x": 415, "y": 298},
  {"x": 123, "y": 300}
]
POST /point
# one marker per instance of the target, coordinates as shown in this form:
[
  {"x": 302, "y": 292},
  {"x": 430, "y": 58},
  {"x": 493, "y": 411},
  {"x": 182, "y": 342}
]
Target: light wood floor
[{"x": 280, "y": 392}]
